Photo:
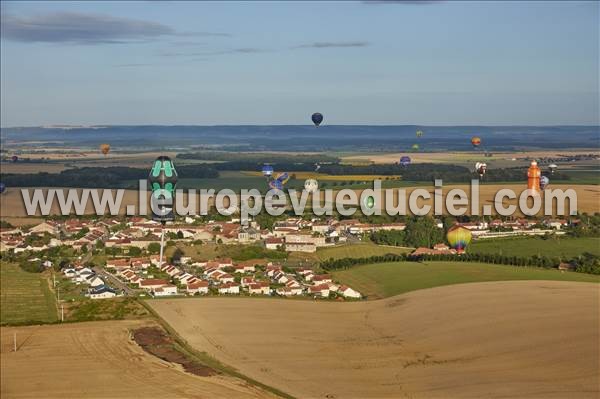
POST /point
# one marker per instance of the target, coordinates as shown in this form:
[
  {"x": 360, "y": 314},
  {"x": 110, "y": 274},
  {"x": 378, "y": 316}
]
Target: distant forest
[{"x": 126, "y": 177}]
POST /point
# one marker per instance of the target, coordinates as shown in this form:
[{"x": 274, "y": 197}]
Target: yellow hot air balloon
[
  {"x": 419, "y": 133},
  {"x": 105, "y": 148},
  {"x": 459, "y": 238}
]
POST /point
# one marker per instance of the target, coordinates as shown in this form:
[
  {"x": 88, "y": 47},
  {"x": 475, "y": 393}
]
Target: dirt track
[
  {"x": 504, "y": 339},
  {"x": 99, "y": 360}
]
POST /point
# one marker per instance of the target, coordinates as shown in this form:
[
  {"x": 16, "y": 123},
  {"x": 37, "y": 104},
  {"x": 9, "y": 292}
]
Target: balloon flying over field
[
  {"x": 552, "y": 167},
  {"x": 475, "y": 141},
  {"x": 14, "y": 158},
  {"x": 419, "y": 133},
  {"x": 459, "y": 238},
  {"x": 369, "y": 202},
  {"x": 162, "y": 179},
  {"x": 2, "y": 187},
  {"x": 405, "y": 160},
  {"x": 311, "y": 185},
  {"x": 415, "y": 147},
  {"x": 267, "y": 170},
  {"x": 480, "y": 168},
  {"x": 105, "y": 148},
  {"x": 317, "y": 118},
  {"x": 275, "y": 184},
  {"x": 544, "y": 181}
]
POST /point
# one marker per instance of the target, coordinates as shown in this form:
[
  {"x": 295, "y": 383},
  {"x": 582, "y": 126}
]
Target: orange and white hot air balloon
[{"x": 105, "y": 148}]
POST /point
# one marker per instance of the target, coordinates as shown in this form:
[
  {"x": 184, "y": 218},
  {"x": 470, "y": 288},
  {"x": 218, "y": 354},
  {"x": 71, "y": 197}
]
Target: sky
[{"x": 251, "y": 62}]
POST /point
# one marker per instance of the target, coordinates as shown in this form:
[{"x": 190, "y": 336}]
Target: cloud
[
  {"x": 241, "y": 50},
  {"x": 79, "y": 28},
  {"x": 332, "y": 45}
]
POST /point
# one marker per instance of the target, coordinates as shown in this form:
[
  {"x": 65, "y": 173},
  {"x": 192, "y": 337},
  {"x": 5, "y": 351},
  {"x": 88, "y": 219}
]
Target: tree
[
  {"x": 423, "y": 232},
  {"x": 154, "y": 248}
]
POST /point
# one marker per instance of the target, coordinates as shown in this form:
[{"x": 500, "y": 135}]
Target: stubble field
[{"x": 502, "y": 339}]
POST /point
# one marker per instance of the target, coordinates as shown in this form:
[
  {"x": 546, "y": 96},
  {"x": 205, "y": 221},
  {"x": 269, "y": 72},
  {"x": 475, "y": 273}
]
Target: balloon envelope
[
  {"x": 311, "y": 185},
  {"x": 105, "y": 148},
  {"x": 2, "y": 187},
  {"x": 267, "y": 170},
  {"x": 14, "y": 158},
  {"x": 419, "y": 133},
  {"x": 317, "y": 118},
  {"x": 415, "y": 147},
  {"x": 459, "y": 238},
  {"x": 405, "y": 160},
  {"x": 544, "y": 181},
  {"x": 276, "y": 184},
  {"x": 283, "y": 177},
  {"x": 476, "y": 141},
  {"x": 369, "y": 202}
]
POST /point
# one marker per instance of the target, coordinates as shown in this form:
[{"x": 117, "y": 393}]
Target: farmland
[
  {"x": 354, "y": 250},
  {"x": 491, "y": 337},
  {"x": 387, "y": 279},
  {"x": 564, "y": 247},
  {"x": 100, "y": 360},
  {"x": 25, "y": 297}
]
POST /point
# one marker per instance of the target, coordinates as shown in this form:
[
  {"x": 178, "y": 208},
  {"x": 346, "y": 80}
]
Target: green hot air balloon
[
  {"x": 369, "y": 202},
  {"x": 415, "y": 147},
  {"x": 163, "y": 179}
]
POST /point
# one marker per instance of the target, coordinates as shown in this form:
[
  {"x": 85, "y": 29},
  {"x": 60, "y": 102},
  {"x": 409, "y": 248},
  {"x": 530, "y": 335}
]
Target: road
[{"x": 114, "y": 281}]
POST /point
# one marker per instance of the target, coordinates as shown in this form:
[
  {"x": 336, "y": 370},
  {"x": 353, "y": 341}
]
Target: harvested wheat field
[
  {"x": 502, "y": 339},
  {"x": 100, "y": 360}
]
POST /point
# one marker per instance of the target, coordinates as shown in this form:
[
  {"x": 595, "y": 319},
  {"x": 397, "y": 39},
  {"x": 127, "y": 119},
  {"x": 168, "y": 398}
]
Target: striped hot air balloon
[
  {"x": 459, "y": 238},
  {"x": 105, "y": 148},
  {"x": 476, "y": 141}
]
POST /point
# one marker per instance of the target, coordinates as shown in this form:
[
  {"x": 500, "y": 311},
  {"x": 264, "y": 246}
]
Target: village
[{"x": 133, "y": 267}]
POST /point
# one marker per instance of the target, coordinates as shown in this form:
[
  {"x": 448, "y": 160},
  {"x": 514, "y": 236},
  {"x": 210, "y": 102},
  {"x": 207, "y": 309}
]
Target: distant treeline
[
  {"x": 111, "y": 177},
  {"x": 586, "y": 263},
  {"x": 259, "y": 158}
]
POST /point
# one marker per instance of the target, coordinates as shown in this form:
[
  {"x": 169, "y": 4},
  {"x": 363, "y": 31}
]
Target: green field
[
  {"x": 382, "y": 280},
  {"x": 25, "y": 297},
  {"x": 564, "y": 247},
  {"x": 354, "y": 250}
]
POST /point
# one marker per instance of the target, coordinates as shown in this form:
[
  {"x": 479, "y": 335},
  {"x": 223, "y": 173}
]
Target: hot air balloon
[
  {"x": 283, "y": 177},
  {"x": 14, "y": 158},
  {"x": 105, "y": 148},
  {"x": 317, "y": 118},
  {"x": 480, "y": 167},
  {"x": 369, "y": 202},
  {"x": 311, "y": 185},
  {"x": 317, "y": 167},
  {"x": 419, "y": 133},
  {"x": 276, "y": 184},
  {"x": 459, "y": 238},
  {"x": 163, "y": 177},
  {"x": 415, "y": 147},
  {"x": 552, "y": 167},
  {"x": 405, "y": 160},
  {"x": 476, "y": 141},
  {"x": 544, "y": 181},
  {"x": 2, "y": 187},
  {"x": 267, "y": 170}
]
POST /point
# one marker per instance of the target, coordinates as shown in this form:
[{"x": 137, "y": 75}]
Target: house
[
  {"x": 319, "y": 291},
  {"x": 165, "y": 290},
  {"x": 229, "y": 288},
  {"x": 322, "y": 278},
  {"x": 309, "y": 247},
  {"x": 226, "y": 278},
  {"x": 184, "y": 278},
  {"x": 69, "y": 273},
  {"x": 197, "y": 287},
  {"x": 273, "y": 243},
  {"x": 348, "y": 292},
  {"x": 48, "y": 226},
  {"x": 287, "y": 291},
  {"x": 93, "y": 280},
  {"x": 246, "y": 281},
  {"x": 566, "y": 266},
  {"x": 259, "y": 288},
  {"x": 152, "y": 283},
  {"x": 101, "y": 292},
  {"x": 272, "y": 269},
  {"x": 224, "y": 262},
  {"x": 117, "y": 264}
]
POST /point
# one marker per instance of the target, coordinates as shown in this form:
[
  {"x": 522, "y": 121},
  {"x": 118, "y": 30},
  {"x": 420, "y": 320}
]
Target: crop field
[
  {"x": 493, "y": 338},
  {"x": 25, "y": 297},
  {"x": 100, "y": 360},
  {"x": 382, "y": 280},
  {"x": 559, "y": 246},
  {"x": 326, "y": 177},
  {"x": 354, "y": 250}
]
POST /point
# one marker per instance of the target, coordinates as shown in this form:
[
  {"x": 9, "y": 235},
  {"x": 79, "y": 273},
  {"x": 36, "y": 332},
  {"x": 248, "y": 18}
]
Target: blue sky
[{"x": 435, "y": 63}]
